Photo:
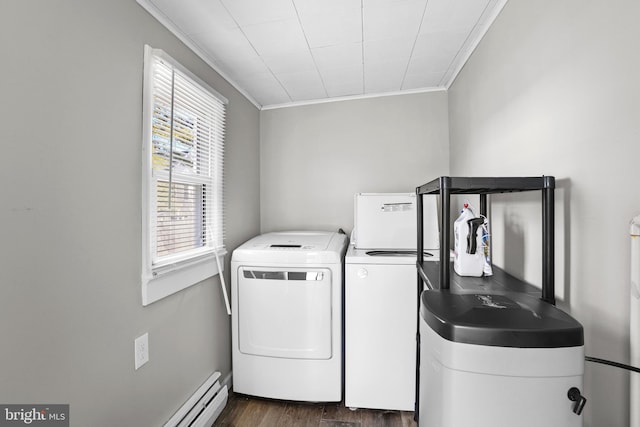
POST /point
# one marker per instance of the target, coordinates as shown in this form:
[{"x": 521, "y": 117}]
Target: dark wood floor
[{"x": 247, "y": 411}]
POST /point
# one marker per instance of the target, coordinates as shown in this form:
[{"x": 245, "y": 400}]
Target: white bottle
[{"x": 468, "y": 258}]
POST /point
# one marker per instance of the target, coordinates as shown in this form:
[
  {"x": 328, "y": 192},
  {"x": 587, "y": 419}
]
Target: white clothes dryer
[{"x": 287, "y": 316}]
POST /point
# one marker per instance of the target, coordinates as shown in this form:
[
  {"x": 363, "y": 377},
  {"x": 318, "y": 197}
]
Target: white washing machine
[
  {"x": 380, "y": 329},
  {"x": 381, "y": 301},
  {"x": 287, "y": 316}
]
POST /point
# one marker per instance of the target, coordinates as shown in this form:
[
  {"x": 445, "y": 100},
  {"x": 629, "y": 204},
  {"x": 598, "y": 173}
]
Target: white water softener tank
[{"x": 498, "y": 360}]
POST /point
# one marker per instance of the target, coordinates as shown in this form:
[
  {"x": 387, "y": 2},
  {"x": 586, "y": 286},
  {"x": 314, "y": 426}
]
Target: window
[{"x": 183, "y": 149}]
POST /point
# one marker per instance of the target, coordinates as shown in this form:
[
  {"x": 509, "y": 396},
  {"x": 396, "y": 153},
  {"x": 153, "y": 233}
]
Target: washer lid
[
  {"x": 506, "y": 319},
  {"x": 383, "y": 256},
  {"x": 293, "y": 247}
]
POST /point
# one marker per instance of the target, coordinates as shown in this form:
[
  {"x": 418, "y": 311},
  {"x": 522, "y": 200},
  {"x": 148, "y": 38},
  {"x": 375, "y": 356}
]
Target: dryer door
[{"x": 285, "y": 312}]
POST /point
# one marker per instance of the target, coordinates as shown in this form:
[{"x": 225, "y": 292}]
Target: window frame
[{"x": 176, "y": 272}]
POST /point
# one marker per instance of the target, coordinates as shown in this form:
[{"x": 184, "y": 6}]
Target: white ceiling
[{"x": 290, "y": 52}]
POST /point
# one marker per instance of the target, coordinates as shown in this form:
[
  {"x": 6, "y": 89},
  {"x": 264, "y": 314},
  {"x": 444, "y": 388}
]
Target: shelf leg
[
  {"x": 419, "y": 286},
  {"x": 548, "y": 259},
  {"x": 445, "y": 231},
  {"x": 483, "y": 205}
]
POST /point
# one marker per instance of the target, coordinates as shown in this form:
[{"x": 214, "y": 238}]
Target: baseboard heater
[{"x": 202, "y": 409}]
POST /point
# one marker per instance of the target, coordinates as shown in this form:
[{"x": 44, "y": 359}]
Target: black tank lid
[{"x": 504, "y": 319}]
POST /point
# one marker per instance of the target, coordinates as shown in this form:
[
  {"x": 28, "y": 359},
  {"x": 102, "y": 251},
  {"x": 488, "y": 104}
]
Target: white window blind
[{"x": 184, "y": 155}]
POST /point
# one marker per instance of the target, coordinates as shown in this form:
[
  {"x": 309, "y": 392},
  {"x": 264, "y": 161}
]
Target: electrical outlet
[{"x": 141, "y": 350}]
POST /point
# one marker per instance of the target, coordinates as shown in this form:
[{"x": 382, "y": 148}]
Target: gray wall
[
  {"x": 553, "y": 89},
  {"x": 315, "y": 158},
  {"x": 70, "y": 218}
]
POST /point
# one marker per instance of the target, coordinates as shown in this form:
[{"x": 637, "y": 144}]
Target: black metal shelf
[
  {"x": 445, "y": 186},
  {"x": 485, "y": 185},
  {"x": 438, "y": 275},
  {"x": 501, "y": 281}
]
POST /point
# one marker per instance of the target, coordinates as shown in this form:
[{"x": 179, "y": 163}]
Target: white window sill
[{"x": 157, "y": 286}]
